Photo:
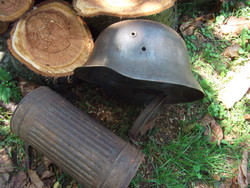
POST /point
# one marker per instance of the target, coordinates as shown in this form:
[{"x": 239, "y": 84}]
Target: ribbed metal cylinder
[{"x": 83, "y": 148}]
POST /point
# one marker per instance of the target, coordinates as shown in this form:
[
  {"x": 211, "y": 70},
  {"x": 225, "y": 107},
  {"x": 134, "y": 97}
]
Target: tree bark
[
  {"x": 3, "y": 27},
  {"x": 11, "y": 10},
  {"x": 50, "y": 41}
]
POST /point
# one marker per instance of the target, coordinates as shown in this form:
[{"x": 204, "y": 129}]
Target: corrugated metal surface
[{"x": 83, "y": 148}]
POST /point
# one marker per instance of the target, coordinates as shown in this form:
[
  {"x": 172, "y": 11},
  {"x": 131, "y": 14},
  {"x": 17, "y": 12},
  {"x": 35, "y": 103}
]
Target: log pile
[
  {"x": 51, "y": 40},
  {"x": 11, "y": 10},
  {"x": 100, "y": 14}
]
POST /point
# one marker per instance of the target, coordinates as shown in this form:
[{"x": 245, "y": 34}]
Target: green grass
[
  {"x": 188, "y": 159},
  {"x": 9, "y": 141},
  {"x": 8, "y": 88},
  {"x": 191, "y": 158}
]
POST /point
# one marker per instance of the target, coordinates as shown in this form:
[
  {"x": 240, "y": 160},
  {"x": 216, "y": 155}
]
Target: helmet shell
[{"x": 139, "y": 59}]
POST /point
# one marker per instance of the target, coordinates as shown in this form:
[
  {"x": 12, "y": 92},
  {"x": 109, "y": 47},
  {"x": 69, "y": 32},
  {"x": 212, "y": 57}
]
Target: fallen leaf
[
  {"x": 6, "y": 176},
  {"x": 57, "y": 185},
  {"x": 229, "y": 183},
  {"x": 201, "y": 185},
  {"x": 242, "y": 175},
  {"x": 26, "y": 87},
  {"x": 234, "y": 25},
  {"x": 247, "y": 117},
  {"x": 216, "y": 177},
  {"x": 232, "y": 51},
  {"x": 6, "y": 164},
  {"x": 187, "y": 29},
  {"x": 213, "y": 129},
  {"x": 47, "y": 174},
  {"x": 2, "y": 182},
  {"x": 229, "y": 138},
  {"x": 35, "y": 179},
  {"x": 235, "y": 89},
  {"x": 18, "y": 180}
]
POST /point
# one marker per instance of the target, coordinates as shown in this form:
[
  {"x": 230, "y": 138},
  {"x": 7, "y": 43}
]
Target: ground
[{"x": 198, "y": 144}]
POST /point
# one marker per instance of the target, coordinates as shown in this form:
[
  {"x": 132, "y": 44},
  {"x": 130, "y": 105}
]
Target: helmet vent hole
[
  {"x": 143, "y": 48},
  {"x": 133, "y": 34}
]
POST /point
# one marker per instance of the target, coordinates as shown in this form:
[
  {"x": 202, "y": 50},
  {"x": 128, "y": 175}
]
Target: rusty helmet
[{"x": 140, "y": 59}]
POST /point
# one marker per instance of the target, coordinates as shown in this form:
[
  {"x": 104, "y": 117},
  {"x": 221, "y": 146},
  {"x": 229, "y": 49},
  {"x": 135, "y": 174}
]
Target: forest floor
[{"x": 199, "y": 144}]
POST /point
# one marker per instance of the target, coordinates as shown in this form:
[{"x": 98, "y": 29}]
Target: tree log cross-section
[
  {"x": 51, "y": 40},
  {"x": 11, "y": 10},
  {"x": 122, "y": 8},
  {"x": 99, "y": 14}
]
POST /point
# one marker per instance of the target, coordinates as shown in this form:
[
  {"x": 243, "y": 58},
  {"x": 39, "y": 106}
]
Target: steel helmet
[{"x": 140, "y": 59}]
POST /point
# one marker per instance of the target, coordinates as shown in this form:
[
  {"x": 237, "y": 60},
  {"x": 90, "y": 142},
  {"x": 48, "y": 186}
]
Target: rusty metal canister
[{"x": 80, "y": 146}]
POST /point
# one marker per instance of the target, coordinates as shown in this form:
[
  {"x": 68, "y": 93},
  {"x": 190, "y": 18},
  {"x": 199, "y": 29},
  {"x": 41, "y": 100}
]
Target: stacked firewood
[{"x": 51, "y": 38}]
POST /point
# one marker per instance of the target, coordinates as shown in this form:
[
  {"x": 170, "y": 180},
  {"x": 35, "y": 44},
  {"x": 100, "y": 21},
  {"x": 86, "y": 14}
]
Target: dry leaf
[
  {"x": 2, "y": 182},
  {"x": 216, "y": 177},
  {"x": 47, "y": 174},
  {"x": 18, "y": 180},
  {"x": 6, "y": 164},
  {"x": 213, "y": 129},
  {"x": 229, "y": 183},
  {"x": 35, "y": 179},
  {"x": 187, "y": 29},
  {"x": 234, "y": 25},
  {"x": 236, "y": 88},
  {"x": 6, "y": 176},
  {"x": 247, "y": 117},
  {"x": 232, "y": 51},
  {"x": 26, "y": 87},
  {"x": 201, "y": 185},
  {"x": 57, "y": 185},
  {"x": 242, "y": 175}
]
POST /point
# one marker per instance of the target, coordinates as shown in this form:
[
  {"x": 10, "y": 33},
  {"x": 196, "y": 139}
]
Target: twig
[{"x": 10, "y": 106}]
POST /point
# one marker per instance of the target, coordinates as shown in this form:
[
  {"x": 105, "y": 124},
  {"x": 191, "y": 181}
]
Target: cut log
[
  {"x": 99, "y": 14},
  {"x": 122, "y": 8},
  {"x": 51, "y": 40},
  {"x": 11, "y": 10}
]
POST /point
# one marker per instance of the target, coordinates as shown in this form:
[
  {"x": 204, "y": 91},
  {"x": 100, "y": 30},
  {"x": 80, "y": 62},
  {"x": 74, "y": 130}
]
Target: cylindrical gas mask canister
[{"x": 80, "y": 146}]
